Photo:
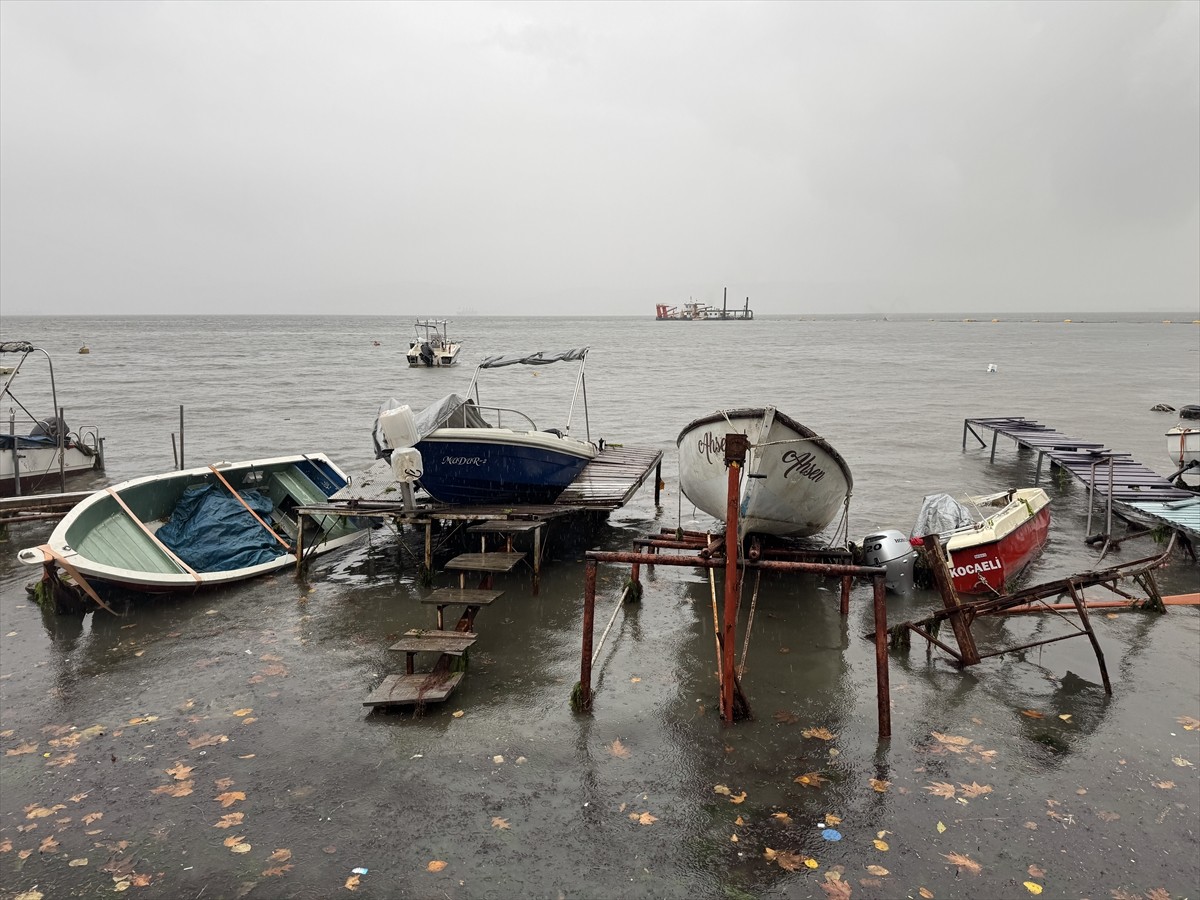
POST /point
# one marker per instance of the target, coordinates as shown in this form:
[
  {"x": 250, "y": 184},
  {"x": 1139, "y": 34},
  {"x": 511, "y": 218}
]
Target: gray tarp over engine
[
  {"x": 941, "y": 513},
  {"x": 451, "y": 411}
]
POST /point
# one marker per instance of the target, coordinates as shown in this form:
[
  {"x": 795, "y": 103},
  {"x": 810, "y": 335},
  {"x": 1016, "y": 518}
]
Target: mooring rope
[
  {"x": 608, "y": 627},
  {"x": 750, "y": 623}
]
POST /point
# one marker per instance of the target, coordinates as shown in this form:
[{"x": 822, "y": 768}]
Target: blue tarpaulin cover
[{"x": 212, "y": 532}]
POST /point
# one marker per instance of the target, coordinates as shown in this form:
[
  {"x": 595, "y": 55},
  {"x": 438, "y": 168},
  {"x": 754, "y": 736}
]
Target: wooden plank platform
[
  {"x": 485, "y": 562},
  {"x": 462, "y": 597},
  {"x": 505, "y": 526},
  {"x": 1137, "y": 492},
  {"x": 609, "y": 480},
  {"x": 451, "y": 643},
  {"x": 471, "y": 599},
  {"x": 409, "y": 690}
]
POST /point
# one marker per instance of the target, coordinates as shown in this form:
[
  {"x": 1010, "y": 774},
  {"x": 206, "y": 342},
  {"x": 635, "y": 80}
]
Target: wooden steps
[
  {"x": 471, "y": 599},
  {"x": 412, "y": 690}
]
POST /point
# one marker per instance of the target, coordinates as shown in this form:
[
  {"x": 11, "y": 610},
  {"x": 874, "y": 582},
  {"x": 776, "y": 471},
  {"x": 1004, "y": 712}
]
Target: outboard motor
[
  {"x": 892, "y": 551},
  {"x": 426, "y": 354}
]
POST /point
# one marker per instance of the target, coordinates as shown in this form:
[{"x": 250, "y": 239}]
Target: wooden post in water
[
  {"x": 589, "y": 624},
  {"x": 944, "y": 581},
  {"x": 883, "y": 690},
  {"x": 735, "y": 458}
]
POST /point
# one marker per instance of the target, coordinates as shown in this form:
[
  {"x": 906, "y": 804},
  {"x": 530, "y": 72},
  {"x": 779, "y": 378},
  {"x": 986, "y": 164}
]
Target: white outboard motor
[{"x": 891, "y": 550}]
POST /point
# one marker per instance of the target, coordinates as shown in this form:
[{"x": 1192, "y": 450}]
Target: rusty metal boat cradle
[{"x": 705, "y": 551}]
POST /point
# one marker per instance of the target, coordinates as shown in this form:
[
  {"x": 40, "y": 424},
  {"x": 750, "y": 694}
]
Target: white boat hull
[
  {"x": 1183, "y": 444},
  {"x": 793, "y": 483}
]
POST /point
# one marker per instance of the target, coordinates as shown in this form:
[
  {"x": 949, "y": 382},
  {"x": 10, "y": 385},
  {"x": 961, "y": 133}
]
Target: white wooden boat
[
  {"x": 432, "y": 348},
  {"x": 793, "y": 483},
  {"x": 40, "y": 454},
  {"x": 200, "y": 527}
]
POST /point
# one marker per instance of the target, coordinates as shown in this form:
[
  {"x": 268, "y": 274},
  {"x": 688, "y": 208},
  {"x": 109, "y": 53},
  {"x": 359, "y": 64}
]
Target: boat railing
[{"x": 499, "y": 411}]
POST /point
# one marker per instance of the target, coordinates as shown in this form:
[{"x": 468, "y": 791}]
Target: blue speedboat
[{"x": 475, "y": 454}]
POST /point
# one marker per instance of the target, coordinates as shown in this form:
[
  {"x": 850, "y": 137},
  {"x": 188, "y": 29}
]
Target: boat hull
[
  {"x": 986, "y": 561},
  {"x": 1183, "y": 444},
  {"x": 112, "y": 536},
  {"x": 38, "y": 466},
  {"x": 476, "y": 465},
  {"x": 793, "y": 483}
]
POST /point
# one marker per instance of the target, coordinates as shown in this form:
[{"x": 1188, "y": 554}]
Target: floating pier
[{"x": 1128, "y": 488}]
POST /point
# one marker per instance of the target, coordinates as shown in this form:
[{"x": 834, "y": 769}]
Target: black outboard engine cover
[
  {"x": 427, "y": 354},
  {"x": 891, "y": 550}
]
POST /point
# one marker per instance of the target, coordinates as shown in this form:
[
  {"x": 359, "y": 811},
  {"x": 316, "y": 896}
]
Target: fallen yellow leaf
[
  {"x": 878, "y": 870},
  {"x": 880, "y": 845},
  {"x": 738, "y": 798},
  {"x": 243, "y": 712},
  {"x": 820, "y": 733},
  {"x": 352, "y": 882},
  {"x": 1033, "y": 887},
  {"x": 280, "y": 855},
  {"x": 721, "y": 789},
  {"x": 880, "y": 785},
  {"x": 229, "y": 798},
  {"x": 435, "y": 865},
  {"x": 617, "y": 749},
  {"x": 240, "y": 848},
  {"x": 229, "y": 820},
  {"x": 458, "y": 714},
  {"x": 498, "y": 822}
]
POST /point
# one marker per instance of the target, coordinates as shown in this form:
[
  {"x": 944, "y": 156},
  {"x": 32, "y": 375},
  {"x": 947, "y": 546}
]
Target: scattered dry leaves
[
  {"x": 1188, "y": 723},
  {"x": 617, "y": 749},
  {"x": 811, "y": 779},
  {"x": 941, "y": 789},
  {"x": 229, "y": 798},
  {"x": 179, "y": 771},
  {"x": 643, "y": 818},
  {"x": 880, "y": 785},
  {"x": 229, "y": 820},
  {"x": 500, "y": 823},
  {"x": 22, "y": 749}
]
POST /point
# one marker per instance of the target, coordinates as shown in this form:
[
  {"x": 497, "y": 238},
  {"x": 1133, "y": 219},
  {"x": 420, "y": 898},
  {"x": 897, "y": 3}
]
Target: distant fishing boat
[
  {"x": 703, "y": 312},
  {"x": 432, "y": 348},
  {"x": 200, "y": 527},
  {"x": 793, "y": 483}
]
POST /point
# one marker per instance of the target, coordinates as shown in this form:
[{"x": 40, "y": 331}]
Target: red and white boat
[{"x": 990, "y": 539}]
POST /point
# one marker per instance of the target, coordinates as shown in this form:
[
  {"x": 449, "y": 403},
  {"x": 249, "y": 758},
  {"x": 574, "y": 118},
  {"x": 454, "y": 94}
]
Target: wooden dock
[
  {"x": 607, "y": 483},
  {"x": 1136, "y": 493}
]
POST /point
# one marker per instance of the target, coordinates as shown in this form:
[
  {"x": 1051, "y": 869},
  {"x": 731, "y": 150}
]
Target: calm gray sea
[{"x": 258, "y": 688}]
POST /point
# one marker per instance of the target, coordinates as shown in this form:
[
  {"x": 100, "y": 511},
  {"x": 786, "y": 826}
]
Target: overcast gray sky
[{"x": 567, "y": 158}]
